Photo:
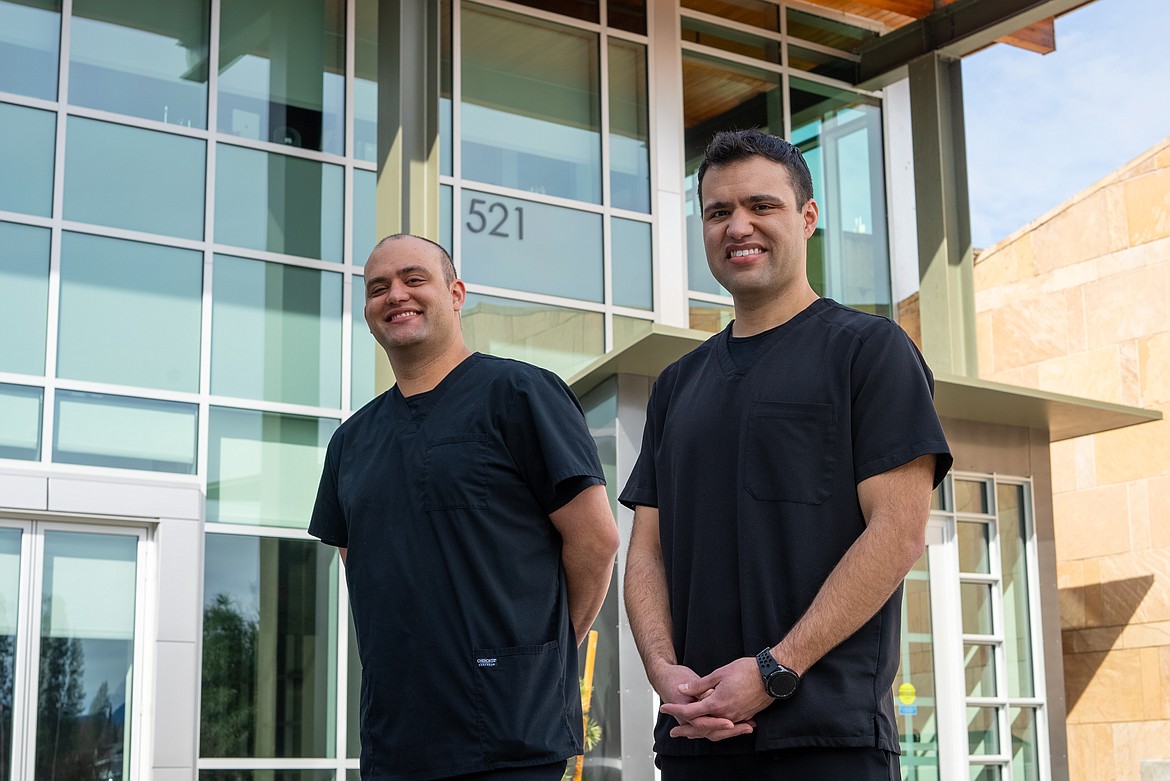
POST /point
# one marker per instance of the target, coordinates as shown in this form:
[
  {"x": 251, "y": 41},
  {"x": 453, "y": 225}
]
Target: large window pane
[
  {"x": 269, "y": 649},
  {"x": 365, "y": 353},
  {"x": 275, "y": 332},
  {"x": 84, "y": 713},
  {"x": 20, "y": 422},
  {"x": 365, "y": 232},
  {"x": 557, "y": 338},
  {"x": 127, "y": 177},
  {"x": 263, "y": 467},
  {"x": 530, "y": 246},
  {"x": 24, "y": 297},
  {"x": 365, "y": 82},
  {"x": 1017, "y": 615},
  {"x": 983, "y": 730},
  {"x": 1025, "y": 744},
  {"x": 278, "y": 203},
  {"x": 719, "y": 95},
  {"x": 26, "y": 156},
  {"x": 10, "y": 597},
  {"x": 757, "y": 13},
  {"x": 627, "y": 330},
  {"x": 30, "y": 33},
  {"x": 147, "y": 60},
  {"x": 979, "y": 670},
  {"x": 713, "y": 318},
  {"x": 102, "y": 430},
  {"x": 149, "y": 300},
  {"x": 914, "y": 685},
  {"x": 974, "y": 539},
  {"x": 629, "y": 127},
  {"x": 975, "y": 599},
  {"x": 531, "y": 110},
  {"x": 633, "y": 282},
  {"x": 282, "y": 72}
]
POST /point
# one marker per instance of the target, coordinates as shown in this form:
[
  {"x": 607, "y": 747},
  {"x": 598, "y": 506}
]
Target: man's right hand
[{"x": 666, "y": 682}]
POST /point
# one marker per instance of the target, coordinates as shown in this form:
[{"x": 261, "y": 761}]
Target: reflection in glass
[
  {"x": 446, "y": 88},
  {"x": 629, "y": 15},
  {"x": 29, "y": 46},
  {"x": 633, "y": 283},
  {"x": 20, "y": 422},
  {"x": 446, "y": 197},
  {"x": 150, "y": 302},
  {"x": 557, "y": 338},
  {"x": 914, "y": 685},
  {"x": 719, "y": 95},
  {"x": 269, "y": 685},
  {"x": 627, "y": 330},
  {"x": 985, "y": 773},
  {"x": 979, "y": 667},
  {"x": 629, "y": 127},
  {"x": 365, "y": 81},
  {"x": 983, "y": 730},
  {"x": 365, "y": 232},
  {"x": 263, "y": 467},
  {"x": 823, "y": 64},
  {"x": 98, "y": 429},
  {"x": 531, "y": 110},
  {"x": 10, "y": 599},
  {"x": 1025, "y": 744},
  {"x": 827, "y": 32},
  {"x": 976, "y": 608},
  {"x": 531, "y": 246},
  {"x": 24, "y": 297},
  {"x": 150, "y": 62},
  {"x": 365, "y": 353},
  {"x": 970, "y": 496},
  {"x": 974, "y": 546},
  {"x": 127, "y": 177},
  {"x": 275, "y": 332},
  {"x": 1013, "y": 546},
  {"x": 757, "y": 13},
  {"x": 86, "y": 656},
  {"x": 282, "y": 72},
  {"x": 586, "y": 10},
  {"x": 734, "y": 41},
  {"x": 709, "y": 317},
  {"x": 278, "y": 203},
  {"x": 26, "y": 156}
]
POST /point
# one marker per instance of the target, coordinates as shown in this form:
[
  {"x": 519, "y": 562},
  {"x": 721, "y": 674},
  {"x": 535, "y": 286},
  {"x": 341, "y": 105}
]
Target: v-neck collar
[
  {"x": 418, "y": 412},
  {"x": 723, "y": 352}
]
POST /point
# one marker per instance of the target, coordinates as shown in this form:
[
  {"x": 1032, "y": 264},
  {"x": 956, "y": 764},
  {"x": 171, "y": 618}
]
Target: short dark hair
[
  {"x": 448, "y": 265},
  {"x": 731, "y": 146}
]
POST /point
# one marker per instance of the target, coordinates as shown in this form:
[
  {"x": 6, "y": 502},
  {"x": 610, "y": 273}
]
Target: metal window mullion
[
  {"x": 347, "y": 261},
  {"x": 606, "y": 194},
  {"x": 456, "y": 133},
  {"x": 32, "y": 572},
  {"x": 25, "y": 686},
  {"x": 246, "y": 530},
  {"x": 537, "y": 298},
  {"x": 731, "y": 24},
  {"x": 341, "y": 702}
]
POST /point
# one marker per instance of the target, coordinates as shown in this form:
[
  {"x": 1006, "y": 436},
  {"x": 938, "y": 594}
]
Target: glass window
[
  {"x": 20, "y": 422},
  {"x": 10, "y": 597},
  {"x": 559, "y": 339},
  {"x": 1013, "y": 546},
  {"x": 365, "y": 353},
  {"x": 627, "y": 330},
  {"x": 734, "y": 41},
  {"x": 24, "y": 297},
  {"x": 983, "y": 730},
  {"x": 757, "y": 13},
  {"x": 29, "y": 47},
  {"x": 530, "y": 111},
  {"x": 446, "y": 198},
  {"x": 709, "y": 317},
  {"x": 629, "y": 15},
  {"x": 985, "y": 773},
  {"x": 629, "y": 127},
  {"x": 149, "y": 300},
  {"x": 269, "y": 649},
  {"x": 275, "y": 332},
  {"x": 823, "y": 64},
  {"x": 974, "y": 540},
  {"x": 719, "y": 95},
  {"x": 914, "y": 685},
  {"x": 127, "y": 177},
  {"x": 633, "y": 283},
  {"x": 1025, "y": 744},
  {"x": 586, "y": 10},
  {"x": 530, "y": 246},
  {"x": 446, "y": 89},
  {"x": 976, "y": 608},
  {"x": 26, "y": 156},
  {"x": 84, "y": 707},
  {"x": 282, "y": 72},
  {"x": 970, "y": 496},
  {"x": 365, "y": 81},
  {"x": 263, "y": 467},
  {"x": 827, "y": 32},
  {"x": 97, "y": 429},
  {"x": 278, "y": 203},
  {"x": 148, "y": 60},
  {"x": 979, "y": 666},
  {"x": 365, "y": 231}
]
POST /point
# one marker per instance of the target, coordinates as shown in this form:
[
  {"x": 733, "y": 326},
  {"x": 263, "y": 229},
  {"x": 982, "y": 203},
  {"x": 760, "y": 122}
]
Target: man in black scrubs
[
  {"x": 780, "y": 497},
  {"x": 470, "y": 509}
]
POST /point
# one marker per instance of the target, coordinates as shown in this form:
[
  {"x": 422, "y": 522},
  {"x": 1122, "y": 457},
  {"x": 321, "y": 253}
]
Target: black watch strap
[{"x": 779, "y": 682}]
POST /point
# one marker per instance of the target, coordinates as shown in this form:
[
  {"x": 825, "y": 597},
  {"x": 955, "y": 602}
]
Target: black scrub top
[
  {"x": 754, "y": 470},
  {"x": 455, "y": 578}
]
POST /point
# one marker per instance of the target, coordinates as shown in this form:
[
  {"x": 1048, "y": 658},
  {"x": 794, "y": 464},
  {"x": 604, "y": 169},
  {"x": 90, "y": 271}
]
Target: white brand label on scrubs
[{"x": 486, "y": 662}]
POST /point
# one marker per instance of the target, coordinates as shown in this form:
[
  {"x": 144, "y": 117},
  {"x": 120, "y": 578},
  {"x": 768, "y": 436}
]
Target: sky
[{"x": 1041, "y": 128}]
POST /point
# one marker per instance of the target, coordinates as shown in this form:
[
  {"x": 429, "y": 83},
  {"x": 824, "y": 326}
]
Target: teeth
[
  {"x": 740, "y": 253},
  {"x": 403, "y": 314}
]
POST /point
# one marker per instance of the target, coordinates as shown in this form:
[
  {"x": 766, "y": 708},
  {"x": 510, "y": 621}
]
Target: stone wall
[{"x": 1078, "y": 302}]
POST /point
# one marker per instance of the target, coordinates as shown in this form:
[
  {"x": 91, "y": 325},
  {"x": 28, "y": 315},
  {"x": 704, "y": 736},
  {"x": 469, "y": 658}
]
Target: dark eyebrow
[
  {"x": 751, "y": 199},
  {"x": 402, "y": 272}
]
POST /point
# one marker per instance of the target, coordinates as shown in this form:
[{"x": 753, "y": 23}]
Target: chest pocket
[
  {"x": 790, "y": 452},
  {"x": 455, "y": 473}
]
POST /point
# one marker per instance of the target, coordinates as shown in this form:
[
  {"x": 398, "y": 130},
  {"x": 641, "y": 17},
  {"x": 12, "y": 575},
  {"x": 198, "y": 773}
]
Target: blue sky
[{"x": 1042, "y": 128}]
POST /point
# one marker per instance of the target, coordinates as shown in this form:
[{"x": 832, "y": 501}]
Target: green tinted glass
[
  {"x": 98, "y": 429},
  {"x": 24, "y": 297},
  {"x": 20, "y": 422},
  {"x": 263, "y": 467},
  {"x": 149, "y": 297},
  {"x": 29, "y": 47},
  {"x": 278, "y": 203},
  {"x": 365, "y": 353},
  {"x": 275, "y": 332},
  {"x": 127, "y": 177},
  {"x": 557, "y": 338},
  {"x": 26, "y": 157},
  {"x": 1017, "y": 613},
  {"x": 629, "y": 127},
  {"x": 633, "y": 282},
  {"x": 365, "y": 234},
  {"x": 149, "y": 62},
  {"x": 365, "y": 82}
]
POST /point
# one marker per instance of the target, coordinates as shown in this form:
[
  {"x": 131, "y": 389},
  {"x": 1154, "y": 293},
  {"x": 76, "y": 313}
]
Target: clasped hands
[{"x": 717, "y": 706}]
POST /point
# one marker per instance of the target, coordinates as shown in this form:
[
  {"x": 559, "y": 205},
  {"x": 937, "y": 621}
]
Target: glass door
[{"x": 68, "y": 670}]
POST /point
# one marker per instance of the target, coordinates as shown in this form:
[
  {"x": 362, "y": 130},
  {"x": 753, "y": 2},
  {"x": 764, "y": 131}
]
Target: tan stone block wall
[{"x": 1080, "y": 304}]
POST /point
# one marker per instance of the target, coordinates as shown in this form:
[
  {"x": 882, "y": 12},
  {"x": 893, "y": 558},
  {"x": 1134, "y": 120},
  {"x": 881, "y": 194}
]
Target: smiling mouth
[
  {"x": 402, "y": 315},
  {"x": 744, "y": 253}
]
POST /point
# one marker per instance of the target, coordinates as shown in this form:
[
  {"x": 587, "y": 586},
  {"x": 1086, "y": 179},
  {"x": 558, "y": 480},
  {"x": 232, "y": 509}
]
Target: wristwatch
[{"x": 779, "y": 682}]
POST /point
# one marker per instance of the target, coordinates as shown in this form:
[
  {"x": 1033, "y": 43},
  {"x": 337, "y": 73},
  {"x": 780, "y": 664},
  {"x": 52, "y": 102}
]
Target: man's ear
[
  {"x": 811, "y": 214},
  {"x": 458, "y": 294}
]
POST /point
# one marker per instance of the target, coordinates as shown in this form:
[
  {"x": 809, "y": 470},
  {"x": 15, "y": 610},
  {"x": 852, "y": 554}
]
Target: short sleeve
[
  {"x": 548, "y": 438},
  {"x": 642, "y": 487},
  {"x": 328, "y": 520},
  {"x": 894, "y": 420}
]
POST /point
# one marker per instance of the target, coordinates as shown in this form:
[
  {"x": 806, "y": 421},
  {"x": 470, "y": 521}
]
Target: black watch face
[{"x": 782, "y": 684}]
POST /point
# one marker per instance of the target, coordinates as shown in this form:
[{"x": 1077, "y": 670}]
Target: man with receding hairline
[{"x": 469, "y": 507}]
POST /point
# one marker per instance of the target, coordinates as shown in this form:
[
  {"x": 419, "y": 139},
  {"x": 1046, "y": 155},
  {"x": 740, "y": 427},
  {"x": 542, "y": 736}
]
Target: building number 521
[{"x": 493, "y": 217}]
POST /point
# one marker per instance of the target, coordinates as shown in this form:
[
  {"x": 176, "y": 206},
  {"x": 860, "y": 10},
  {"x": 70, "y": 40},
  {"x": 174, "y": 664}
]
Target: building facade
[{"x": 188, "y": 191}]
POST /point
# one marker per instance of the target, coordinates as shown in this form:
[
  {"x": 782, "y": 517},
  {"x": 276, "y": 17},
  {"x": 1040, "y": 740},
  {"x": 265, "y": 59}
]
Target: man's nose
[{"x": 739, "y": 224}]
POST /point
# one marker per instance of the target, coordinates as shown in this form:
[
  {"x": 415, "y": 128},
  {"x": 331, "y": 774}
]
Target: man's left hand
[{"x": 735, "y": 692}]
